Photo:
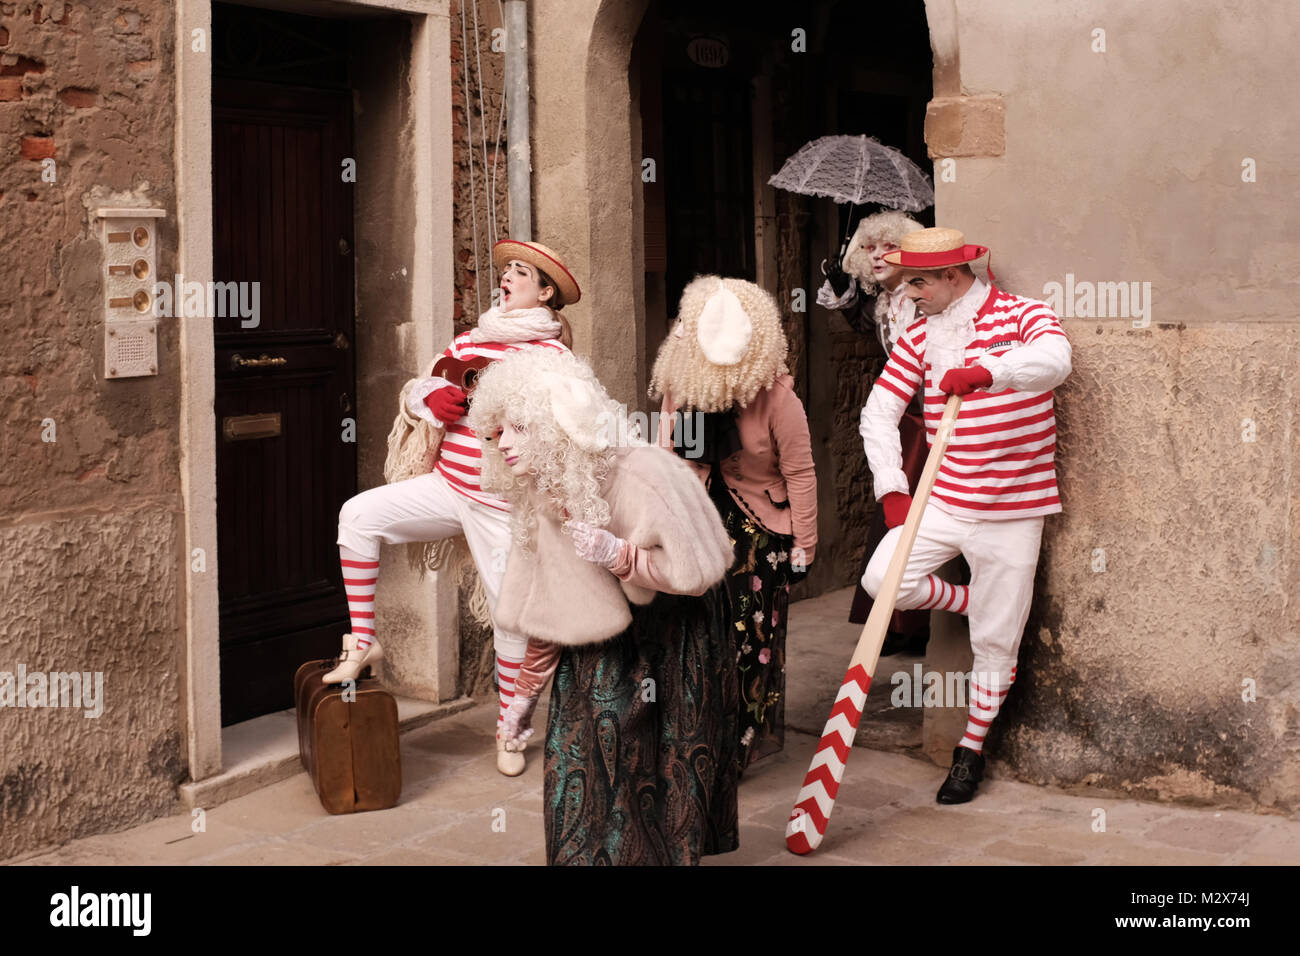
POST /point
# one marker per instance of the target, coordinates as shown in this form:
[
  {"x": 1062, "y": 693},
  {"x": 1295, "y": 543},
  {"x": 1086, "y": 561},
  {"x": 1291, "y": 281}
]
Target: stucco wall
[
  {"x": 585, "y": 183},
  {"x": 90, "y": 523},
  {"x": 1126, "y": 165}
]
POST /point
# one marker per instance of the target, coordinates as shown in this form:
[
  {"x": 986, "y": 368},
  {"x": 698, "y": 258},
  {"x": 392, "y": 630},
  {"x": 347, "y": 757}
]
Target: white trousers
[
  {"x": 427, "y": 508},
  {"x": 1002, "y": 556}
]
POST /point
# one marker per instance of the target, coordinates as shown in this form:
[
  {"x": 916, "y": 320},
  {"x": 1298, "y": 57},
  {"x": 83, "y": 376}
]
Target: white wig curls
[
  {"x": 569, "y": 427},
  {"x": 888, "y": 226},
  {"x": 685, "y": 372}
]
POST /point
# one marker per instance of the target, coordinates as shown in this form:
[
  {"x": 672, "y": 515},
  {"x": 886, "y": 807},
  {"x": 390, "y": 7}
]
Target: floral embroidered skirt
[
  {"x": 640, "y": 756},
  {"x": 758, "y": 597}
]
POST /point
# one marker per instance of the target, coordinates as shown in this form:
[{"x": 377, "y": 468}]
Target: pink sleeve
[
  {"x": 540, "y": 661},
  {"x": 795, "y": 460},
  {"x": 639, "y": 566}
]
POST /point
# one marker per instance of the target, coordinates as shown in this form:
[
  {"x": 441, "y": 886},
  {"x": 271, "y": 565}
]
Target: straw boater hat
[
  {"x": 539, "y": 256},
  {"x": 935, "y": 248}
]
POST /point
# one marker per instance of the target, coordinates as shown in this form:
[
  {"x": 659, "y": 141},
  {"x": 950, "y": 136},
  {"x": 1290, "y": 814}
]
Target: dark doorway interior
[
  {"x": 286, "y": 459},
  {"x": 727, "y": 92}
]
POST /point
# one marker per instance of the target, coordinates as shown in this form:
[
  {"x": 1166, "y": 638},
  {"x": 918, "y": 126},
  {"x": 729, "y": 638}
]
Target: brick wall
[
  {"x": 484, "y": 69},
  {"x": 90, "y": 522}
]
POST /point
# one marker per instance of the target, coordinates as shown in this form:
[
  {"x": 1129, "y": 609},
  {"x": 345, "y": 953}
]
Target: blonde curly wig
[
  {"x": 565, "y": 469},
  {"x": 682, "y": 370},
  {"x": 888, "y": 226}
]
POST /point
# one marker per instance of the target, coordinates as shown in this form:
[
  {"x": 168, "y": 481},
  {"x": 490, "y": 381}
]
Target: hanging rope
[
  {"x": 501, "y": 115},
  {"x": 482, "y": 116},
  {"x": 469, "y": 139}
]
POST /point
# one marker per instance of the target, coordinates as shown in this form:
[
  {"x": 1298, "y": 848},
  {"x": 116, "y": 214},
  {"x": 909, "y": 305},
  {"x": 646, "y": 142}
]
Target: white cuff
[
  {"x": 827, "y": 299},
  {"x": 998, "y": 369},
  {"x": 421, "y": 390},
  {"x": 890, "y": 481}
]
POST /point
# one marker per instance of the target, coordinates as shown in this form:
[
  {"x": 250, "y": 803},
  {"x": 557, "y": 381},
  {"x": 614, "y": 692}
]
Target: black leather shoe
[{"x": 966, "y": 773}]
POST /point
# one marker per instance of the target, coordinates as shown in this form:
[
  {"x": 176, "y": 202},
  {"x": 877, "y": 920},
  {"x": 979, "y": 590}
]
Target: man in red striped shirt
[{"x": 1004, "y": 354}]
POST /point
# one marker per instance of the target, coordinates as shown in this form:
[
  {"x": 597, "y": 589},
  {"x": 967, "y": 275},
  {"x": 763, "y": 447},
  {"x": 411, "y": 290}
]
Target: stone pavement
[{"x": 456, "y": 808}]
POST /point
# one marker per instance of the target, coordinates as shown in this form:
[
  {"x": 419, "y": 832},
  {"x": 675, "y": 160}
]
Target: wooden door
[{"x": 286, "y": 462}]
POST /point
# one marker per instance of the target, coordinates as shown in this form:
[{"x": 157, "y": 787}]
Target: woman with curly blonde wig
[
  {"x": 722, "y": 369},
  {"x": 611, "y": 575}
]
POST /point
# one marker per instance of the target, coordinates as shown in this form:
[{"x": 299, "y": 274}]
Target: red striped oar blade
[{"x": 812, "y": 807}]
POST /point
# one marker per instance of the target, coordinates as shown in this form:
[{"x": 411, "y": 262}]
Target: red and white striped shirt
[
  {"x": 461, "y": 455},
  {"x": 1000, "y": 460}
]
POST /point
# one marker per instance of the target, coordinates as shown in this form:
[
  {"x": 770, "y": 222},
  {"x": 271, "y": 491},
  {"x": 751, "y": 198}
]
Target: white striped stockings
[{"x": 986, "y": 697}]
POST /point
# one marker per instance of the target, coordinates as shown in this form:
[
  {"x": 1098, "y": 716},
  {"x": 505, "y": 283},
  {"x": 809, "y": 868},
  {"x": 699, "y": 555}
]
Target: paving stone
[
  {"x": 278, "y": 852},
  {"x": 1132, "y": 853},
  {"x": 877, "y": 846},
  {"x": 1280, "y": 839},
  {"x": 472, "y": 835},
  {"x": 946, "y": 825},
  {"x": 1206, "y": 831},
  {"x": 282, "y": 808},
  {"x": 757, "y": 844},
  {"x": 360, "y": 834},
  {"x": 168, "y": 841},
  {"x": 402, "y": 856},
  {"x": 1030, "y": 853}
]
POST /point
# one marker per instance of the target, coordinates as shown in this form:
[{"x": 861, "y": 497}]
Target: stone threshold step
[{"x": 263, "y": 751}]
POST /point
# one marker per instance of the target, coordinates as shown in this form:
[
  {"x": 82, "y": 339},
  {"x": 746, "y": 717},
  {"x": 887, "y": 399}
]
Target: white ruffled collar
[{"x": 949, "y": 333}]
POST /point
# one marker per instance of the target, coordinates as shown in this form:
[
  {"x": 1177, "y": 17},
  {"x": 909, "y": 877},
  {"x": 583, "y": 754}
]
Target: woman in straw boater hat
[
  {"x": 450, "y": 500},
  {"x": 1004, "y": 354},
  {"x": 616, "y": 553},
  {"x": 876, "y": 304},
  {"x": 722, "y": 369}
]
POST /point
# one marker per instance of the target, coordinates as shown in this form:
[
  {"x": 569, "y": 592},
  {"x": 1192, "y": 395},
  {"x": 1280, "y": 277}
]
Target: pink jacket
[{"x": 775, "y": 464}]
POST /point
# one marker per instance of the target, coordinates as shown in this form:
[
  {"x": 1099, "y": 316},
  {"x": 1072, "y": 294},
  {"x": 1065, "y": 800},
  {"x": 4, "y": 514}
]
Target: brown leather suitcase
[{"x": 349, "y": 748}]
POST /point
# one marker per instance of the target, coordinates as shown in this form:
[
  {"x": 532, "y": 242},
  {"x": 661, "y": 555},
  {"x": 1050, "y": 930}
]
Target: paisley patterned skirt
[
  {"x": 758, "y": 600},
  {"x": 640, "y": 756}
]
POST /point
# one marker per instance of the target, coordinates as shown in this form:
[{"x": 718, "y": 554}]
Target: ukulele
[{"x": 463, "y": 373}]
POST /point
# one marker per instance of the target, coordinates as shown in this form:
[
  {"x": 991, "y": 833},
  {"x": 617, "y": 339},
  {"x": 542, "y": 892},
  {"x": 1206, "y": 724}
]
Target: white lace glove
[
  {"x": 517, "y": 723},
  {"x": 827, "y": 299},
  {"x": 595, "y": 544},
  {"x": 419, "y": 392}
]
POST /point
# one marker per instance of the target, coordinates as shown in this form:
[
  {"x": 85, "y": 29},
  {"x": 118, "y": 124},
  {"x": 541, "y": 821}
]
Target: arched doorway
[{"x": 725, "y": 93}]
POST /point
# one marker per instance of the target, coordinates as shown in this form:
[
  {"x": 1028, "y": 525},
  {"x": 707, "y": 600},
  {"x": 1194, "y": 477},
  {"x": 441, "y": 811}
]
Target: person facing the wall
[
  {"x": 723, "y": 366},
  {"x": 1005, "y": 354},
  {"x": 450, "y": 500}
]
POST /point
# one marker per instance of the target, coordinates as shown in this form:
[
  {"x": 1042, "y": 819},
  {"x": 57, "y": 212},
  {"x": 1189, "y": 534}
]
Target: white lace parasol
[{"x": 856, "y": 169}]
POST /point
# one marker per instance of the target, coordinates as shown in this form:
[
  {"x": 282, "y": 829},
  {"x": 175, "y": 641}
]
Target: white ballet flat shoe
[
  {"x": 353, "y": 661},
  {"x": 510, "y": 757}
]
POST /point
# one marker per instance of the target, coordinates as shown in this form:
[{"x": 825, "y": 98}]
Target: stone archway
[
  {"x": 586, "y": 154},
  {"x": 586, "y": 192}
]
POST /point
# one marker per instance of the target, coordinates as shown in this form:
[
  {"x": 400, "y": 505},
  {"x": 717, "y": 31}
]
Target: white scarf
[
  {"x": 948, "y": 333},
  {"x": 517, "y": 325}
]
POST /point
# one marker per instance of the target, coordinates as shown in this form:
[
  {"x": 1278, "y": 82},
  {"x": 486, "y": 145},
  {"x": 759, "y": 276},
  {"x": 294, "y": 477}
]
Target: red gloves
[
  {"x": 447, "y": 403},
  {"x": 962, "y": 381},
  {"x": 896, "y": 505}
]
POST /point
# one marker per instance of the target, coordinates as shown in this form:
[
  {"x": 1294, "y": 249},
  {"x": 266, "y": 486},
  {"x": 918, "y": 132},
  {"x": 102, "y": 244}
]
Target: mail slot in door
[{"x": 244, "y": 427}]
